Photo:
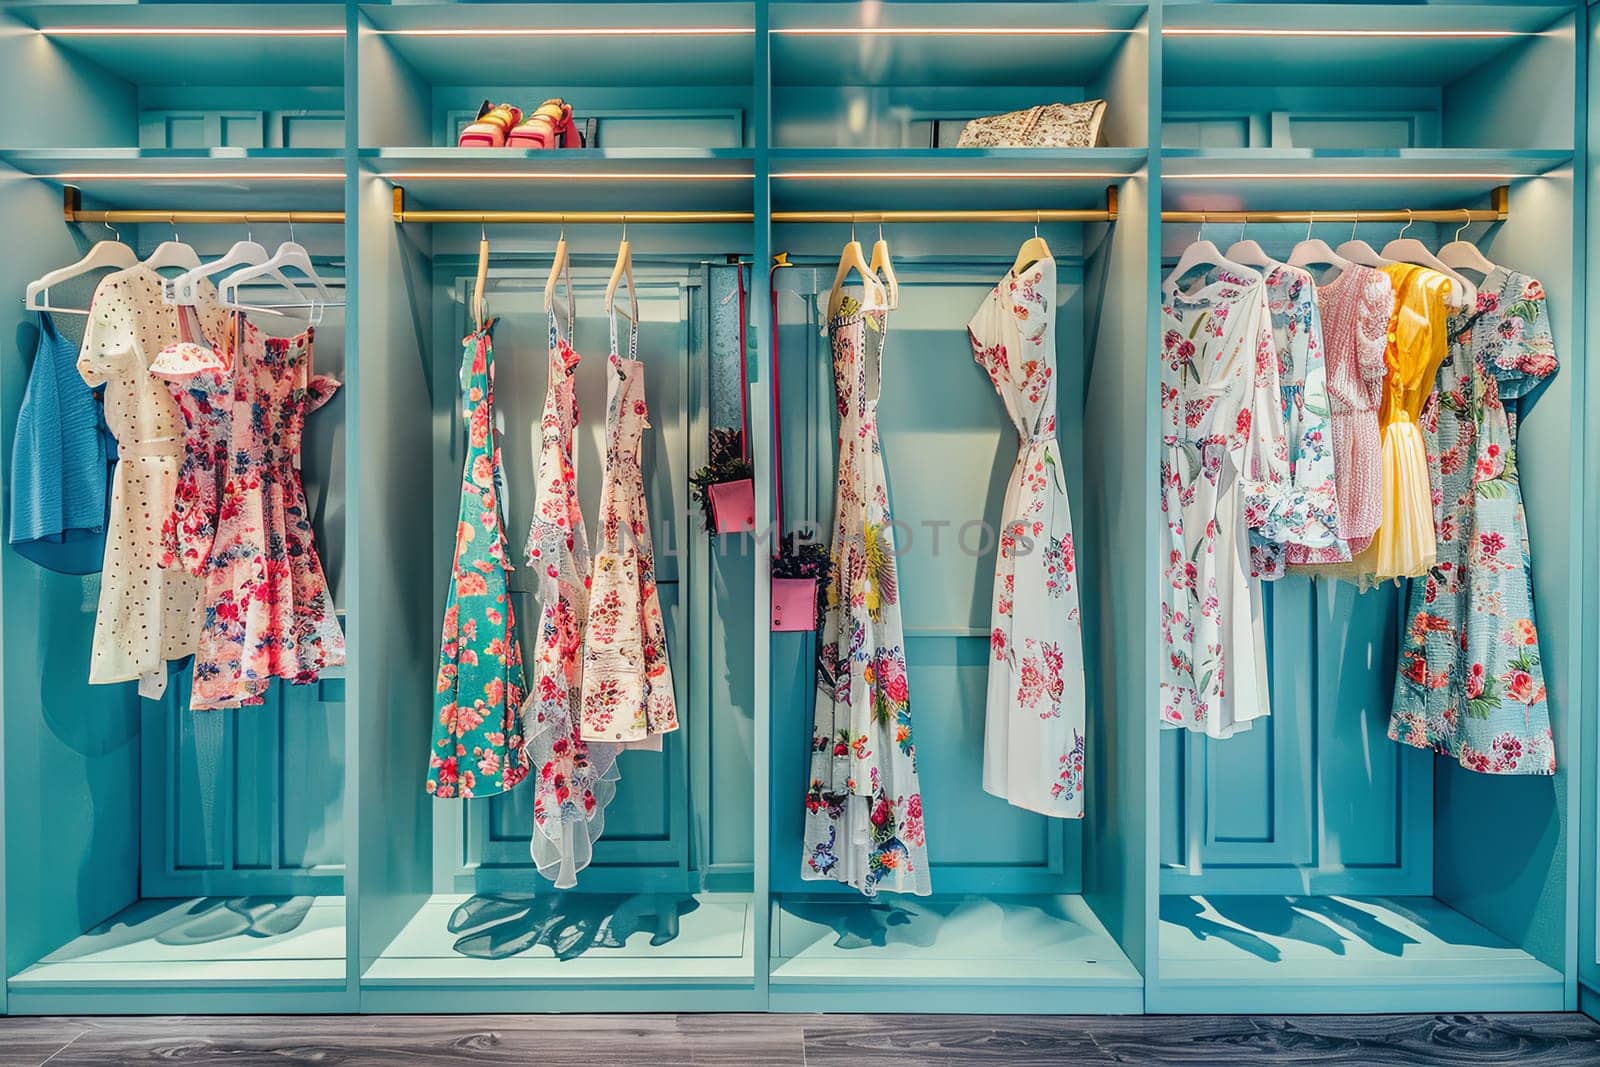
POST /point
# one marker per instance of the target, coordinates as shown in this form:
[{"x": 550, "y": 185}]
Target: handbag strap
[{"x": 744, "y": 372}]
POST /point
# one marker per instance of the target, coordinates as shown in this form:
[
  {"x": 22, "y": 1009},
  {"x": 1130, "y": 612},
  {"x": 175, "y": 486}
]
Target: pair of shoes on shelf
[{"x": 502, "y": 126}]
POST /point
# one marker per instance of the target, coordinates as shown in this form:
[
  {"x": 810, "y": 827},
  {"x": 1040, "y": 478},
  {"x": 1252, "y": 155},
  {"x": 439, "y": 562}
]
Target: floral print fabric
[
  {"x": 1033, "y": 747},
  {"x": 477, "y": 736},
  {"x": 627, "y": 681},
  {"x": 1307, "y": 514},
  {"x": 1224, "y": 462},
  {"x": 864, "y": 819},
  {"x": 574, "y": 779},
  {"x": 1471, "y": 681},
  {"x": 240, "y": 520}
]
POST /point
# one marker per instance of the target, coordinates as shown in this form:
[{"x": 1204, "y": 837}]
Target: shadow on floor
[
  {"x": 1325, "y": 922},
  {"x": 861, "y": 924},
  {"x": 494, "y": 927},
  {"x": 201, "y": 921}
]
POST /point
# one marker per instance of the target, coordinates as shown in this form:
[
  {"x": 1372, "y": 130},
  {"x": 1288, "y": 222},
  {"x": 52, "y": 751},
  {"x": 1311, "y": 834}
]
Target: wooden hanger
[
  {"x": 105, "y": 255},
  {"x": 852, "y": 259},
  {"x": 623, "y": 270},
  {"x": 882, "y": 267},
  {"x": 1405, "y": 249},
  {"x": 480, "y": 305},
  {"x": 1464, "y": 255},
  {"x": 561, "y": 265},
  {"x": 1032, "y": 251}
]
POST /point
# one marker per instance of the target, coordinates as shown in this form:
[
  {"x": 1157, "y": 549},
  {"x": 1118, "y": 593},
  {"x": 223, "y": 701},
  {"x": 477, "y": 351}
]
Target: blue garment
[{"x": 61, "y": 461}]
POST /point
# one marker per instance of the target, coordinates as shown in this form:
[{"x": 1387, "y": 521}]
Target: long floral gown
[
  {"x": 1223, "y": 463},
  {"x": 574, "y": 779},
  {"x": 477, "y": 739},
  {"x": 1471, "y": 681},
  {"x": 863, "y": 822},
  {"x": 627, "y": 680},
  {"x": 1033, "y": 751},
  {"x": 240, "y": 519}
]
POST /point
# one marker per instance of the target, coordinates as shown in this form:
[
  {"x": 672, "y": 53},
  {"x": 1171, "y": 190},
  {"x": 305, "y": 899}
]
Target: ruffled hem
[{"x": 574, "y": 782}]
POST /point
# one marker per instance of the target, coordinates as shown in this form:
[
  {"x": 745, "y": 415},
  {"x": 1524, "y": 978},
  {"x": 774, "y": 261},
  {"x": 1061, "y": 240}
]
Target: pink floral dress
[
  {"x": 1033, "y": 741},
  {"x": 1224, "y": 462},
  {"x": 574, "y": 779},
  {"x": 477, "y": 735},
  {"x": 627, "y": 681},
  {"x": 246, "y": 529},
  {"x": 863, "y": 821},
  {"x": 1471, "y": 682}
]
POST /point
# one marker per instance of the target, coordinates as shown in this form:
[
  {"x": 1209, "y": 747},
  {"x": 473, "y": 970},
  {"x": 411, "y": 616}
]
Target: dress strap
[
  {"x": 572, "y": 314},
  {"x": 633, "y": 336}
]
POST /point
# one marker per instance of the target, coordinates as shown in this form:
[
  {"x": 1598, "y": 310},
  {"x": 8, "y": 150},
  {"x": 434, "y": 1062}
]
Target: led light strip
[
  {"x": 1194, "y": 31},
  {"x": 1374, "y": 176},
  {"x": 575, "y": 31},
  {"x": 191, "y": 31},
  {"x": 948, "y": 31},
  {"x": 195, "y": 176},
  {"x": 571, "y": 176},
  {"x": 938, "y": 175}
]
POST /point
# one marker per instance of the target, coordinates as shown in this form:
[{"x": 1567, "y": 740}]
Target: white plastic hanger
[
  {"x": 1032, "y": 251},
  {"x": 623, "y": 270},
  {"x": 561, "y": 265},
  {"x": 883, "y": 268},
  {"x": 1464, "y": 255},
  {"x": 853, "y": 259},
  {"x": 1203, "y": 253},
  {"x": 480, "y": 305},
  {"x": 1314, "y": 251},
  {"x": 1360, "y": 252},
  {"x": 1405, "y": 249},
  {"x": 105, "y": 255},
  {"x": 1249, "y": 252},
  {"x": 173, "y": 253},
  {"x": 185, "y": 288},
  {"x": 290, "y": 254}
]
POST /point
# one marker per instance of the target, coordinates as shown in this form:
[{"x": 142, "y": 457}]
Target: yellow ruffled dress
[{"x": 1418, "y": 342}]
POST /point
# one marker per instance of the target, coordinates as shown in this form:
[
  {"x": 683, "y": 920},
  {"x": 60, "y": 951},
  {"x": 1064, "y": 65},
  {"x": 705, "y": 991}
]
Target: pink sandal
[
  {"x": 491, "y": 128},
  {"x": 550, "y": 126}
]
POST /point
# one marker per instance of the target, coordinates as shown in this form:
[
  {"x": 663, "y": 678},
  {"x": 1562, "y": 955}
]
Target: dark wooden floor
[{"x": 808, "y": 1040}]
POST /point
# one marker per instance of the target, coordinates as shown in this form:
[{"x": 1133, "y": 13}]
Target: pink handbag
[{"x": 794, "y": 603}]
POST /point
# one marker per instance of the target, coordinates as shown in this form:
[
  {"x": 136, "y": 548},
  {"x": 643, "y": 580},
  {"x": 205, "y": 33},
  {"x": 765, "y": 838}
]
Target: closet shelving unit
[
  {"x": 1312, "y": 865},
  {"x": 156, "y": 849}
]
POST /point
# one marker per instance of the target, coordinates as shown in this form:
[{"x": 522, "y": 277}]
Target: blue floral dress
[
  {"x": 1471, "y": 684},
  {"x": 864, "y": 806}
]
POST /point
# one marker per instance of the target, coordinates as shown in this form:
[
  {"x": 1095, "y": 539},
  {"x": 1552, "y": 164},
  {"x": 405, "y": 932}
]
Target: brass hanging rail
[
  {"x": 1094, "y": 214},
  {"x": 554, "y": 218},
  {"x": 1498, "y": 211},
  {"x": 73, "y": 211}
]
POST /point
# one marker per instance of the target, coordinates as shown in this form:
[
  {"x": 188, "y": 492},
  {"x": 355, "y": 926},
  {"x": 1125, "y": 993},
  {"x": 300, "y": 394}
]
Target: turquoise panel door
[
  {"x": 949, "y": 448},
  {"x": 646, "y": 843}
]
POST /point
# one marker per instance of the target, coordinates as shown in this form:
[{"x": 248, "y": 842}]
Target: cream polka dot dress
[{"x": 147, "y": 615}]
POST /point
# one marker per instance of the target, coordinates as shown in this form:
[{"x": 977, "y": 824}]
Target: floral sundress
[
  {"x": 1033, "y": 742},
  {"x": 627, "y": 680},
  {"x": 863, "y": 821},
  {"x": 240, "y": 519},
  {"x": 1223, "y": 463},
  {"x": 1471, "y": 681},
  {"x": 477, "y": 738},
  {"x": 574, "y": 779}
]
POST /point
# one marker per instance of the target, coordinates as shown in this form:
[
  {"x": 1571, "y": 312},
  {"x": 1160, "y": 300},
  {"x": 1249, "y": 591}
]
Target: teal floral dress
[
  {"x": 863, "y": 823},
  {"x": 477, "y": 735},
  {"x": 1471, "y": 684}
]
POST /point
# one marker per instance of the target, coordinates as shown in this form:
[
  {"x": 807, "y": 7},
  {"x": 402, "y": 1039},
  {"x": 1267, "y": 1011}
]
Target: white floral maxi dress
[
  {"x": 573, "y": 780},
  {"x": 1223, "y": 464},
  {"x": 627, "y": 680},
  {"x": 1033, "y": 733},
  {"x": 863, "y": 807}
]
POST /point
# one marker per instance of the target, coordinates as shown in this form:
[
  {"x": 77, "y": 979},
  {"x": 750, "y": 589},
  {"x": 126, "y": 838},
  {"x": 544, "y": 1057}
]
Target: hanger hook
[
  {"x": 1354, "y": 222},
  {"x": 562, "y": 236},
  {"x": 249, "y": 231},
  {"x": 483, "y": 230},
  {"x": 1198, "y": 237},
  {"x": 173, "y": 219},
  {"x": 1036, "y": 215},
  {"x": 1311, "y": 220},
  {"x": 880, "y": 227},
  {"x": 852, "y": 227},
  {"x": 114, "y": 231},
  {"x": 1466, "y": 220},
  {"x": 1244, "y": 221},
  {"x": 1410, "y": 218},
  {"x": 624, "y": 226}
]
